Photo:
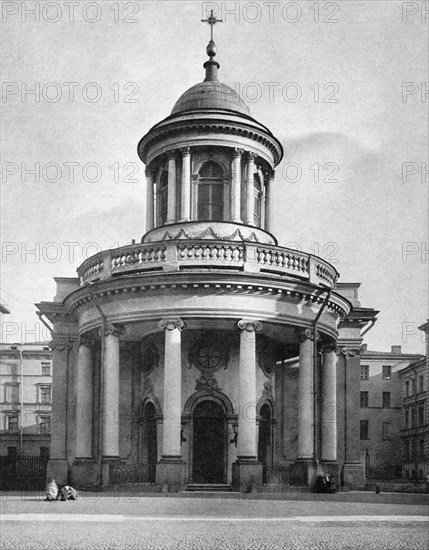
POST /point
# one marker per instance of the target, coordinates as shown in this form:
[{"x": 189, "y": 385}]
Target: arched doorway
[
  {"x": 208, "y": 443},
  {"x": 149, "y": 453},
  {"x": 264, "y": 440}
]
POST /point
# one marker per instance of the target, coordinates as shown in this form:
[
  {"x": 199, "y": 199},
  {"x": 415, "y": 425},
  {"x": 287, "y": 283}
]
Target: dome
[{"x": 210, "y": 94}]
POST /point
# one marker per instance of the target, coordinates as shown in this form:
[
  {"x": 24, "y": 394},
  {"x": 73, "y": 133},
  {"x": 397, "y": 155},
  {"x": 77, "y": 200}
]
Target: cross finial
[{"x": 211, "y": 21}]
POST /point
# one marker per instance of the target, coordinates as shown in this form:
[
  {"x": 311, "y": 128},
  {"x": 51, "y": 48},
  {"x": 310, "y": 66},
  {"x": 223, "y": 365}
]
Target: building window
[
  {"x": 45, "y": 424},
  {"x": 413, "y": 417},
  {"x": 210, "y": 192},
  {"x": 386, "y": 430},
  {"x": 163, "y": 198},
  {"x": 364, "y": 399},
  {"x": 406, "y": 449},
  {"x": 406, "y": 418},
  {"x": 422, "y": 448},
  {"x": 407, "y": 389},
  {"x": 45, "y": 394},
  {"x": 12, "y": 423},
  {"x": 421, "y": 383},
  {"x": 421, "y": 415},
  {"x": 413, "y": 385},
  {"x": 12, "y": 393},
  {"x": 386, "y": 400},
  {"x": 46, "y": 369},
  {"x": 364, "y": 372},
  {"x": 387, "y": 372},
  {"x": 364, "y": 429},
  {"x": 257, "y": 191}
]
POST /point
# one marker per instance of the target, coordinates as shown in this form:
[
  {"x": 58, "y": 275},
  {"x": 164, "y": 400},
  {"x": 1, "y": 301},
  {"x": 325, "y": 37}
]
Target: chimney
[{"x": 396, "y": 350}]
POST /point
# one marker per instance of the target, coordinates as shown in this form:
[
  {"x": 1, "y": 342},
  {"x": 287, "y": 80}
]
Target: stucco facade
[{"x": 206, "y": 354}]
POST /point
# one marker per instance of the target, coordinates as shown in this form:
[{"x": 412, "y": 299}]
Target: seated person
[
  {"x": 68, "y": 493},
  {"x": 51, "y": 490}
]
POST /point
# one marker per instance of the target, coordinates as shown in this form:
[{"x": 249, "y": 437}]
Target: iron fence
[
  {"x": 275, "y": 476},
  {"x": 23, "y": 473},
  {"x": 132, "y": 474}
]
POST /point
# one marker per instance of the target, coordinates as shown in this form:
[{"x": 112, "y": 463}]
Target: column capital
[
  {"x": 249, "y": 325},
  {"x": 238, "y": 152},
  {"x": 269, "y": 174},
  {"x": 62, "y": 343},
  {"x": 148, "y": 172},
  {"x": 251, "y": 156},
  {"x": 170, "y": 323},
  {"x": 172, "y": 154},
  {"x": 351, "y": 352},
  {"x": 85, "y": 341},
  {"x": 185, "y": 151},
  {"x": 115, "y": 329},
  {"x": 307, "y": 334}
]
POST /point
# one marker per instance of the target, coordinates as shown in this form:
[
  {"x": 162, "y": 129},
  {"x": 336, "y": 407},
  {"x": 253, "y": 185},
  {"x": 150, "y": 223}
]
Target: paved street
[{"x": 170, "y": 522}]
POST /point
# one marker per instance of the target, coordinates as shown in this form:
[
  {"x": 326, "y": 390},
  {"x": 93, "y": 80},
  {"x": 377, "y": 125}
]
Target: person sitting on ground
[
  {"x": 321, "y": 486},
  {"x": 68, "y": 493},
  {"x": 51, "y": 490},
  {"x": 332, "y": 485}
]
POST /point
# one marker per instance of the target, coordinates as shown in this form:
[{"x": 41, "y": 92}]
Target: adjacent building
[
  {"x": 415, "y": 416},
  {"x": 25, "y": 399}
]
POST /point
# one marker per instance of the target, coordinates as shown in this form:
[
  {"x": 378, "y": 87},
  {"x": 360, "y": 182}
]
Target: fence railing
[
  {"x": 203, "y": 254},
  {"x": 276, "y": 476},
  {"x": 23, "y": 472},
  {"x": 132, "y": 474}
]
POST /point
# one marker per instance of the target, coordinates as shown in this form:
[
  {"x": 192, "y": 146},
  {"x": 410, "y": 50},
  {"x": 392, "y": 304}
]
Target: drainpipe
[
  {"x": 415, "y": 427},
  {"x": 101, "y": 379},
  {"x": 316, "y": 381}
]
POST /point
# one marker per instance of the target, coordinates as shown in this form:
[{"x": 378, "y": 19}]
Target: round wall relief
[
  {"x": 208, "y": 355},
  {"x": 150, "y": 357}
]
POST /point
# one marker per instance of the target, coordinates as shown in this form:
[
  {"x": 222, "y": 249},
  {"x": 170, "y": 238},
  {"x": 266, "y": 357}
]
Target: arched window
[
  {"x": 163, "y": 198},
  {"x": 257, "y": 191},
  {"x": 210, "y": 192}
]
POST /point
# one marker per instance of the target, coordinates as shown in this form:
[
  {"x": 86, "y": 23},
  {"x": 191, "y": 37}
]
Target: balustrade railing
[
  {"x": 132, "y": 474},
  {"x": 199, "y": 254}
]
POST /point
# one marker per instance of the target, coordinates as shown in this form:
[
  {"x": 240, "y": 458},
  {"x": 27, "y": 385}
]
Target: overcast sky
[{"x": 326, "y": 77}]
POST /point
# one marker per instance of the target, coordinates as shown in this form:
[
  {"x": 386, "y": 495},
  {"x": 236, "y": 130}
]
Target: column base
[
  {"x": 171, "y": 473},
  {"x": 58, "y": 469},
  {"x": 85, "y": 473},
  {"x": 353, "y": 475},
  {"x": 304, "y": 472},
  {"x": 106, "y": 461},
  {"x": 246, "y": 474}
]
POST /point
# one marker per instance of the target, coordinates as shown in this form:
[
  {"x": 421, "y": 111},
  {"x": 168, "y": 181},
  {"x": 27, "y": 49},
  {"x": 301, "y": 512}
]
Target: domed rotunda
[{"x": 206, "y": 356}]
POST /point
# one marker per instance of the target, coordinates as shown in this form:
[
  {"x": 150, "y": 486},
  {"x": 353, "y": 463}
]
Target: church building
[{"x": 206, "y": 355}]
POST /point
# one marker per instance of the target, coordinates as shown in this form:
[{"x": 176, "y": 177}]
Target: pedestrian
[
  {"x": 332, "y": 485},
  {"x": 51, "y": 490},
  {"x": 68, "y": 493}
]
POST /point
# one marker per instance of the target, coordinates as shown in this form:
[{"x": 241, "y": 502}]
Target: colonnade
[
  {"x": 183, "y": 211},
  {"x": 172, "y": 387}
]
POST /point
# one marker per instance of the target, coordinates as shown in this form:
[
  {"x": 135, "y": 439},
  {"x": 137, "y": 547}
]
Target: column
[
  {"x": 84, "y": 399},
  {"x": 329, "y": 404},
  {"x": 236, "y": 187},
  {"x": 172, "y": 387},
  {"x": 250, "y": 196},
  {"x": 171, "y": 207},
  {"x": 269, "y": 181},
  {"x": 247, "y": 442},
  {"x": 149, "y": 200},
  {"x": 62, "y": 360},
  {"x": 186, "y": 185},
  {"x": 305, "y": 397},
  {"x": 111, "y": 392}
]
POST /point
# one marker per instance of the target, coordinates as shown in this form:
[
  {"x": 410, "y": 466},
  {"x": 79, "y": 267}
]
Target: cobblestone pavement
[{"x": 161, "y": 523}]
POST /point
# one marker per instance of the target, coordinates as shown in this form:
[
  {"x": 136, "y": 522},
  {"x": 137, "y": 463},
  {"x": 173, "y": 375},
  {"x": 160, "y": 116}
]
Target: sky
[{"x": 340, "y": 84}]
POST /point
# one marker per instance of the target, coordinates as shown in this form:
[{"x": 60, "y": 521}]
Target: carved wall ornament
[
  {"x": 268, "y": 389},
  {"x": 171, "y": 323},
  {"x": 207, "y": 355},
  {"x": 207, "y": 382},
  {"x": 208, "y": 234},
  {"x": 61, "y": 344},
  {"x": 351, "y": 352}
]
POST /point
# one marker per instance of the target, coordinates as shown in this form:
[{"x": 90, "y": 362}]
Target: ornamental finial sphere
[{"x": 211, "y": 49}]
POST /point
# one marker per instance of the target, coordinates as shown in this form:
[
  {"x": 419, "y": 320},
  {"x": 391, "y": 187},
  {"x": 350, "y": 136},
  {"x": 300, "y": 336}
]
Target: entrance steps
[{"x": 208, "y": 487}]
